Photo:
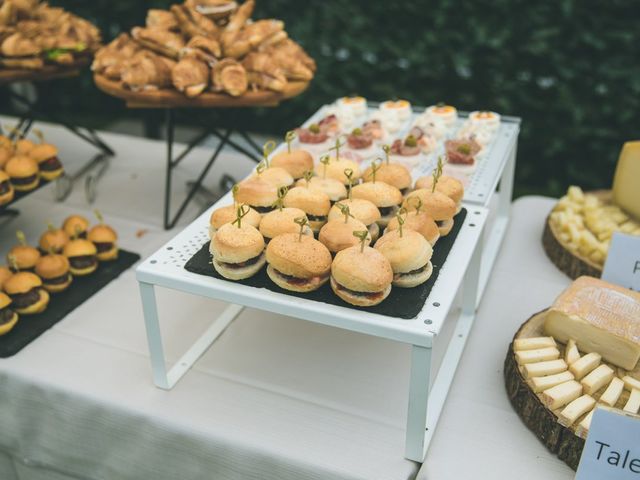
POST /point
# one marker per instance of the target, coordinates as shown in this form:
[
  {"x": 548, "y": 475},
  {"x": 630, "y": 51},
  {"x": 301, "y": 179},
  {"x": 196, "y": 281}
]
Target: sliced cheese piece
[
  {"x": 561, "y": 395},
  {"x": 597, "y": 379},
  {"x": 537, "y": 355},
  {"x": 625, "y": 181},
  {"x": 533, "y": 343},
  {"x": 631, "y": 383},
  {"x": 571, "y": 353},
  {"x": 585, "y": 365},
  {"x": 585, "y": 425},
  {"x": 540, "y": 384},
  {"x": 612, "y": 393},
  {"x": 633, "y": 404},
  {"x": 541, "y": 369},
  {"x": 600, "y": 317},
  {"x": 576, "y": 409}
]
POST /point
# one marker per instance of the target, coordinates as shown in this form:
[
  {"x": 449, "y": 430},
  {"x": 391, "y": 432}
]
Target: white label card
[
  {"x": 612, "y": 448},
  {"x": 623, "y": 261}
]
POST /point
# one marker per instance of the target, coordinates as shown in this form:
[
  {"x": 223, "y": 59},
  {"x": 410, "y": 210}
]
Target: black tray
[
  {"x": 401, "y": 302},
  {"x": 17, "y": 196},
  {"x": 30, "y": 327}
]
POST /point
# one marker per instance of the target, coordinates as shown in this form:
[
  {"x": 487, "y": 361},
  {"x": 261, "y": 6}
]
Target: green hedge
[{"x": 570, "y": 69}]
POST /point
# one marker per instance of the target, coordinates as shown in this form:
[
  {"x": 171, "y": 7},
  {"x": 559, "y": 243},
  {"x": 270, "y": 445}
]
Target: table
[{"x": 79, "y": 402}]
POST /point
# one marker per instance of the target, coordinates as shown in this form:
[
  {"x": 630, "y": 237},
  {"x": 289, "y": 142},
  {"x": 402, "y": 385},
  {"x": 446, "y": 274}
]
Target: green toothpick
[
  {"x": 400, "y": 220},
  {"x": 279, "y": 203},
  {"x": 387, "y": 152},
  {"x": 437, "y": 173},
  {"x": 262, "y": 166},
  {"x": 337, "y": 147},
  {"x": 362, "y": 235},
  {"x": 344, "y": 209},
  {"x": 268, "y": 147},
  {"x": 302, "y": 221},
  {"x": 349, "y": 174},
  {"x": 22, "y": 240},
  {"x": 307, "y": 177},
  {"x": 375, "y": 166},
  {"x": 418, "y": 204},
  {"x": 325, "y": 160},
  {"x": 241, "y": 212},
  {"x": 234, "y": 195},
  {"x": 289, "y": 137}
]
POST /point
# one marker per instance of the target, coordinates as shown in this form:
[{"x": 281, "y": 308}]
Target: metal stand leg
[
  {"x": 418, "y": 399},
  {"x": 167, "y": 379}
]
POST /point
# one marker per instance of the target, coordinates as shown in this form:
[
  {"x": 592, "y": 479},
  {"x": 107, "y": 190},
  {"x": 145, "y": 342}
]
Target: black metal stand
[{"x": 172, "y": 163}]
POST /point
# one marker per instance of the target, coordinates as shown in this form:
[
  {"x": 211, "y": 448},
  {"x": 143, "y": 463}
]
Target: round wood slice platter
[
  {"x": 573, "y": 264},
  {"x": 48, "y": 72},
  {"x": 543, "y": 422},
  {"x": 170, "y": 98}
]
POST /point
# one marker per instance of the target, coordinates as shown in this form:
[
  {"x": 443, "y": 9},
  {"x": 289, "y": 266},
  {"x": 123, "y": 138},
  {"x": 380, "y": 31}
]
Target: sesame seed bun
[
  {"x": 310, "y": 201},
  {"x": 282, "y": 221},
  {"x": 75, "y": 225},
  {"x": 303, "y": 258},
  {"x": 334, "y": 189},
  {"x": 20, "y": 167},
  {"x": 336, "y": 169},
  {"x": 256, "y": 192},
  {"x": 25, "y": 257},
  {"x": 235, "y": 245},
  {"x": 8, "y": 196},
  {"x": 406, "y": 253},
  {"x": 450, "y": 186},
  {"x": 53, "y": 240},
  {"x": 337, "y": 235},
  {"x": 394, "y": 174},
  {"x": 228, "y": 214},
  {"x": 421, "y": 222},
  {"x": 5, "y": 274},
  {"x": 379, "y": 193},
  {"x": 276, "y": 176},
  {"x": 436, "y": 204},
  {"x": 296, "y": 163},
  {"x": 42, "y": 152}
]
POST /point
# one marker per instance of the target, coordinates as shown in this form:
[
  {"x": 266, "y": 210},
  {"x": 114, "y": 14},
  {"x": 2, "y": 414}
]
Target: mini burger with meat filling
[
  {"x": 282, "y": 221},
  {"x": 294, "y": 161},
  {"x": 104, "y": 238},
  {"x": 8, "y": 318},
  {"x": 76, "y": 226},
  {"x": 314, "y": 203},
  {"x": 23, "y": 173},
  {"x": 53, "y": 240},
  {"x": 450, "y": 186},
  {"x": 298, "y": 262},
  {"x": 334, "y": 189},
  {"x": 53, "y": 270},
  {"x": 26, "y": 292},
  {"x": 362, "y": 210},
  {"x": 237, "y": 249},
  {"x": 82, "y": 258},
  {"x": 361, "y": 275},
  {"x": 223, "y": 215},
  {"x": 440, "y": 207},
  {"x": 257, "y": 194},
  {"x": 394, "y": 174},
  {"x": 384, "y": 196},
  {"x": 337, "y": 234},
  {"x": 5, "y": 274},
  {"x": 23, "y": 258},
  {"x": 47, "y": 157},
  {"x": 417, "y": 220},
  {"x": 6, "y": 189},
  {"x": 409, "y": 255}
]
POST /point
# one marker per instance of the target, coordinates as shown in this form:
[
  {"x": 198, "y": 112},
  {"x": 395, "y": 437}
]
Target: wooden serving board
[
  {"x": 48, "y": 72},
  {"x": 170, "y": 98},
  {"x": 543, "y": 422},
  {"x": 573, "y": 264}
]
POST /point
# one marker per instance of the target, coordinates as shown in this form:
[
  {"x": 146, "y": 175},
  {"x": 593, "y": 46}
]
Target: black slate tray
[
  {"x": 30, "y": 327},
  {"x": 401, "y": 303},
  {"x": 17, "y": 196}
]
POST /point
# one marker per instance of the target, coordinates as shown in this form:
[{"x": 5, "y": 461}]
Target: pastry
[
  {"x": 54, "y": 272},
  {"x": 409, "y": 255},
  {"x": 230, "y": 77},
  {"x": 312, "y": 135},
  {"x": 406, "y": 150},
  {"x": 53, "y": 240},
  {"x": 8, "y": 318},
  {"x": 238, "y": 250},
  {"x": 352, "y": 106},
  {"x": 6, "y": 188},
  {"x": 461, "y": 154},
  {"x": 360, "y": 140},
  {"x": 26, "y": 292},
  {"x": 23, "y": 173},
  {"x": 485, "y": 120},
  {"x": 190, "y": 76},
  {"x": 82, "y": 256},
  {"x": 440, "y": 207},
  {"x": 446, "y": 114},
  {"x": 314, "y": 203},
  {"x": 75, "y": 226}
]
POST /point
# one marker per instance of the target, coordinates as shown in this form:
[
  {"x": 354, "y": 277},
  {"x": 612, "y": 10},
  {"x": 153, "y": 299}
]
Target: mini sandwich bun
[
  {"x": 450, "y": 186},
  {"x": 5, "y": 302},
  {"x": 368, "y": 272},
  {"x": 6, "y": 154},
  {"x": 23, "y": 282},
  {"x": 235, "y": 245},
  {"x": 53, "y": 240},
  {"x": 295, "y": 162},
  {"x": 276, "y": 176},
  {"x": 54, "y": 266},
  {"x": 21, "y": 167},
  {"x": 421, "y": 222},
  {"x": 336, "y": 168},
  {"x": 8, "y": 196},
  {"x": 406, "y": 253},
  {"x": 5, "y": 274},
  {"x": 43, "y": 152},
  {"x": 25, "y": 257},
  {"x": 75, "y": 226},
  {"x": 282, "y": 221},
  {"x": 24, "y": 146},
  {"x": 362, "y": 210},
  {"x": 394, "y": 174},
  {"x": 81, "y": 248},
  {"x": 436, "y": 204},
  {"x": 382, "y": 195},
  {"x": 333, "y": 188},
  {"x": 337, "y": 235},
  {"x": 104, "y": 234},
  {"x": 258, "y": 194},
  {"x": 228, "y": 214},
  {"x": 304, "y": 258},
  {"x": 312, "y": 202}
]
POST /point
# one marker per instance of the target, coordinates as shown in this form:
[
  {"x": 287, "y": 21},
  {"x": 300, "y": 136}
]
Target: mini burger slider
[
  {"x": 53, "y": 240},
  {"x": 53, "y": 270},
  {"x": 440, "y": 207},
  {"x": 238, "y": 250},
  {"x": 23, "y": 172},
  {"x": 298, "y": 262},
  {"x": 104, "y": 238},
  {"x": 334, "y": 189},
  {"x": 47, "y": 157},
  {"x": 394, "y": 174},
  {"x": 8, "y": 318},
  {"x": 361, "y": 276},
  {"x": 82, "y": 257},
  {"x": 6, "y": 189},
  {"x": 409, "y": 255},
  {"x": 296, "y": 162},
  {"x": 314, "y": 203},
  {"x": 337, "y": 234},
  {"x": 362, "y": 210},
  {"x": 384, "y": 196},
  {"x": 282, "y": 221},
  {"x": 276, "y": 176},
  {"x": 257, "y": 194},
  {"x": 420, "y": 221},
  {"x": 5, "y": 274},
  {"x": 23, "y": 258},
  {"x": 76, "y": 226},
  {"x": 450, "y": 186},
  {"x": 26, "y": 292},
  {"x": 223, "y": 215}
]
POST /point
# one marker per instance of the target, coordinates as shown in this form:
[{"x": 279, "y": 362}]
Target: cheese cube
[
  {"x": 575, "y": 409},
  {"x": 631, "y": 383},
  {"x": 540, "y": 384},
  {"x": 633, "y": 404},
  {"x": 533, "y": 343},
  {"x": 538, "y": 355},
  {"x": 612, "y": 393},
  {"x": 561, "y": 395},
  {"x": 571, "y": 353},
  {"x": 597, "y": 379},
  {"x": 585, "y": 365},
  {"x": 541, "y": 369},
  {"x": 584, "y": 425}
]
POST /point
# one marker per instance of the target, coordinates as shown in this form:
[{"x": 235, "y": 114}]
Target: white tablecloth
[{"x": 275, "y": 397}]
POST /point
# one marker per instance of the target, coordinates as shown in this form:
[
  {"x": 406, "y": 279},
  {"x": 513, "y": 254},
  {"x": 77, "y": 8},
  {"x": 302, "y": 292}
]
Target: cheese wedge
[
  {"x": 539, "y": 355},
  {"x": 626, "y": 193},
  {"x": 633, "y": 404},
  {"x": 576, "y": 409},
  {"x": 612, "y": 393},
  {"x": 583, "y": 427},
  {"x": 540, "y": 384},
  {"x": 561, "y": 395},
  {"x": 533, "y": 343},
  {"x": 597, "y": 379},
  {"x": 600, "y": 317},
  {"x": 541, "y": 369},
  {"x": 585, "y": 365},
  {"x": 631, "y": 383},
  {"x": 571, "y": 353}
]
